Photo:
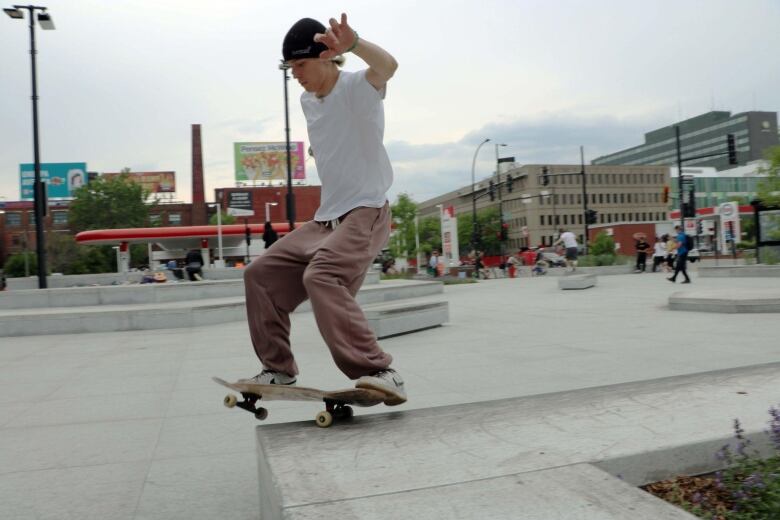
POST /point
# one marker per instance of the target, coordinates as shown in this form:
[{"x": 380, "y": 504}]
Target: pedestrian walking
[{"x": 682, "y": 256}]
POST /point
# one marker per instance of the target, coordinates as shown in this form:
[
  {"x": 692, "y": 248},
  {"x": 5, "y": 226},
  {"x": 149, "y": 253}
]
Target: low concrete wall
[
  {"x": 739, "y": 271},
  {"x": 89, "y": 280}
]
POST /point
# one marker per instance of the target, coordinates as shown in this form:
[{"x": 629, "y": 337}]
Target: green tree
[
  {"x": 226, "y": 219},
  {"x": 109, "y": 203},
  {"x": 769, "y": 187},
  {"x": 403, "y": 241},
  {"x": 430, "y": 234},
  {"x": 15, "y": 265},
  {"x": 488, "y": 224},
  {"x": 603, "y": 244}
]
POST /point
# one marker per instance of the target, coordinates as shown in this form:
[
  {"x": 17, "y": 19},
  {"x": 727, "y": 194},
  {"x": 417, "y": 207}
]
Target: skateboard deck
[{"x": 336, "y": 402}]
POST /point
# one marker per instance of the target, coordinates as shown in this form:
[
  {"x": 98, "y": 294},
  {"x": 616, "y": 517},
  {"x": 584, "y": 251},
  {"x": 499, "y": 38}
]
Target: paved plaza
[{"x": 129, "y": 425}]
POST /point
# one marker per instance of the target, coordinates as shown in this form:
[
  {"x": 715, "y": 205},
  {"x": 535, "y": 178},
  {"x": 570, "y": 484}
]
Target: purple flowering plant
[{"x": 752, "y": 481}]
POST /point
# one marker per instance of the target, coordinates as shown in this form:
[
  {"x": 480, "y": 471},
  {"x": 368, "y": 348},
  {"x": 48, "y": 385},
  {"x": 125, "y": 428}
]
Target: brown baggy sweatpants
[{"x": 327, "y": 266}]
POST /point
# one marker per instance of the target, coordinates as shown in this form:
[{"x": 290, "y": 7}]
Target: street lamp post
[
  {"x": 268, "y": 211},
  {"x": 290, "y": 195},
  {"x": 474, "y": 199},
  {"x": 39, "y": 187},
  {"x": 221, "y": 262},
  {"x": 500, "y": 203}
]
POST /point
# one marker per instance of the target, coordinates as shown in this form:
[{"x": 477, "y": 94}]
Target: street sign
[{"x": 240, "y": 204}]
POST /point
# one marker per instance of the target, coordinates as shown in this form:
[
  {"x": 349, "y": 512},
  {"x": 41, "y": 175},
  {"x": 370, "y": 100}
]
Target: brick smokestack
[{"x": 199, "y": 217}]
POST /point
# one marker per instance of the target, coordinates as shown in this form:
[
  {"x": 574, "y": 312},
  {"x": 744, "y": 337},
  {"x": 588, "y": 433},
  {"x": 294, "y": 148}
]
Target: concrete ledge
[
  {"x": 577, "y": 281},
  {"x": 742, "y": 301},
  {"x": 148, "y": 307},
  {"x": 739, "y": 271},
  {"x": 391, "y": 319},
  {"x": 429, "y": 458},
  {"x": 151, "y": 293},
  {"x": 111, "y": 318}
]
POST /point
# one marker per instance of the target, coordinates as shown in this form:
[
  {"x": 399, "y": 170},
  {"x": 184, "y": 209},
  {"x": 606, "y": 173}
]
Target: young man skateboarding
[{"x": 326, "y": 259}]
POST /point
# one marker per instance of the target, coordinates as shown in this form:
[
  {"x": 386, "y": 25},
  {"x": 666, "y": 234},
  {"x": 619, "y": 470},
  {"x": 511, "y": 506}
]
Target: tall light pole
[
  {"x": 39, "y": 188},
  {"x": 284, "y": 66},
  {"x": 474, "y": 199},
  {"x": 501, "y": 243},
  {"x": 268, "y": 210}
]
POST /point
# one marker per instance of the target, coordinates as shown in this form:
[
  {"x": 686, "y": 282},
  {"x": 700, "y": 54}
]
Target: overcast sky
[{"x": 121, "y": 81}]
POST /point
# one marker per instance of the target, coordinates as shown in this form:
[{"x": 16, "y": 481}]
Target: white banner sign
[
  {"x": 449, "y": 237},
  {"x": 729, "y": 225}
]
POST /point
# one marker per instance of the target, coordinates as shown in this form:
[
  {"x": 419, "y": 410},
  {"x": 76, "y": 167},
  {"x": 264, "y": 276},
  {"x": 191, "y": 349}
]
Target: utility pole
[{"x": 584, "y": 199}]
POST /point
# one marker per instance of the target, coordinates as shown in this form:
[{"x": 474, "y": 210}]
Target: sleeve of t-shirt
[{"x": 362, "y": 94}]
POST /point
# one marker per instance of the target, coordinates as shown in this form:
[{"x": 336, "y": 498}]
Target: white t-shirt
[
  {"x": 346, "y": 129},
  {"x": 569, "y": 240},
  {"x": 659, "y": 249}
]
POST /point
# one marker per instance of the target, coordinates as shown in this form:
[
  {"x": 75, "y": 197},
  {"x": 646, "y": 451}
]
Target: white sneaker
[
  {"x": 270, "y": 377},
  {"x": 388, "y": 382}
]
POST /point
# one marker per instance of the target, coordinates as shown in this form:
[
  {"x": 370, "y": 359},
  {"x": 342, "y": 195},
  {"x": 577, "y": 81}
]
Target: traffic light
[
  {"x": 509, "y": 181},
  {"x": 545, "y": 176},
  {"x": 732, "y": 146},
  {"x": 590, "y": 216},
  {"x": 492, "y": 191},
  {"x": 699, "y": 227},
  {"x": 665, "y": 195},
  {"x": 504, "y": 234}
]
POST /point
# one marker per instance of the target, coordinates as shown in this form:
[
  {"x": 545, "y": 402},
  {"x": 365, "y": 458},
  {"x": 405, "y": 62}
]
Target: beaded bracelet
[{"x": 357, "y": 39}]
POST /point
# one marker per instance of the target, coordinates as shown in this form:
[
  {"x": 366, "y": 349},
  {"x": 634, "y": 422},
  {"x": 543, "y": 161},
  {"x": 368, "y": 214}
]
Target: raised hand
[{"x": 338, "y": 39}]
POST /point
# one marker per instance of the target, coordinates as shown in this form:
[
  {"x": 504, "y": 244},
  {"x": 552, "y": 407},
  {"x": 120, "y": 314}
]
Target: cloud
[{"x": 427, "y": 170}]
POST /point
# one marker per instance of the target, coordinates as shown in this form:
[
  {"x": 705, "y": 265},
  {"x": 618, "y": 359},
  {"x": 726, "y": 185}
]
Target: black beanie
[{"x": 299, "y": 42}]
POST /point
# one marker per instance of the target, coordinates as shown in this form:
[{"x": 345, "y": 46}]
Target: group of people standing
[{"x": 670, "y": 253}]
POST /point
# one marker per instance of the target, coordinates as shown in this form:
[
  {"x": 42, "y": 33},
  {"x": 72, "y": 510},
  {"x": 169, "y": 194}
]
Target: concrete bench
[
  {"x": 732, "y": 302},
  {"x": 577, "y": 281},
  {"x": 401, "y": 317}
]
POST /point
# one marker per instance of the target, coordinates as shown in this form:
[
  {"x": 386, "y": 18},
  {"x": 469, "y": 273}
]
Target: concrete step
[
  {"x": 108, "y": 316},
  {"x": 392, "y": 319},
  {"x": 494, "y": 459},
  {"x": 713, "y": 300},
  {"x": 132, "y": 294}
]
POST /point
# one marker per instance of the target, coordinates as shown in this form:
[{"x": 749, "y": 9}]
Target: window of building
[
  {"x": 174, "y": 219},
  {"x": 154, "y": 219},
  {"x": 59, "y": 217},
  {"x": 622, "y": 198},
  {"x": 566, "y": 220},
  {"x": 579, "y": 219},
  {"x": 601, "y": 198},
  {"x": 601, "y": 218},
  {"x": 16, "y": 240},
  {"x": 13, "y": 219},
  {"x": 31, "y": 218},
  {"x": 541, "y": 220},
  {"x": 628, "y": 198}
]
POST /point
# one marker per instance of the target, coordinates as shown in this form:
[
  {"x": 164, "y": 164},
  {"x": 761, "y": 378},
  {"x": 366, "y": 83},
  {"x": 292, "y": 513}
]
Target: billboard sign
[
  {"x": 153, "y": 182},
  {"x": 268, "y": 161},
  {"x": 61, "y": 179},
  {"x": 240, "y": 204}
]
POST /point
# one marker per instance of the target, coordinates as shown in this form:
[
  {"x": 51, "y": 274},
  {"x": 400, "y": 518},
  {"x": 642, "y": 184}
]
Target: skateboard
[{"x": 337, "y": 403}]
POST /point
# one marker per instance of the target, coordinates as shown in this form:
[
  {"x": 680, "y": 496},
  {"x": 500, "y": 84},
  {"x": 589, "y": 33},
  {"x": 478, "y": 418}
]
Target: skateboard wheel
[
  {"x": 230, "y": 401},
  {"x": 324, "y": 419},
  {"x": 261, "y": 414}
]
